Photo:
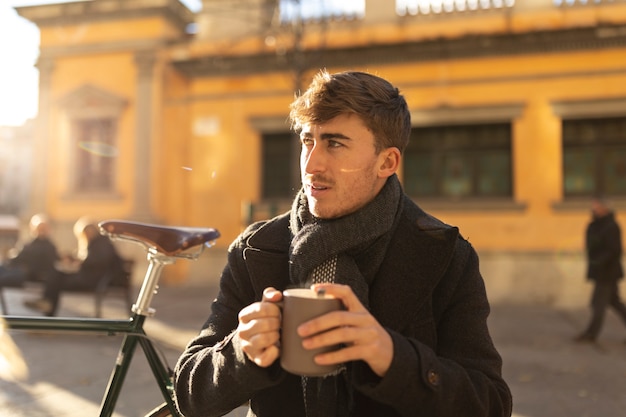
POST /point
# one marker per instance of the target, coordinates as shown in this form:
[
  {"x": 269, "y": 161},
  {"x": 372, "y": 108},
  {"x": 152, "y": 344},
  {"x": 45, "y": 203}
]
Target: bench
[{"x": 107, "y": 286}]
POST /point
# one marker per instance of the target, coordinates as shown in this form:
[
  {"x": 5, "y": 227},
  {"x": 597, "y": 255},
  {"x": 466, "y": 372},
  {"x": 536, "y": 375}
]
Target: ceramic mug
[{"x": 298, "y": 306}]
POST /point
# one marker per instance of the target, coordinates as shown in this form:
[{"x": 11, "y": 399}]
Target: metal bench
[{"x": 108, "y": 286}]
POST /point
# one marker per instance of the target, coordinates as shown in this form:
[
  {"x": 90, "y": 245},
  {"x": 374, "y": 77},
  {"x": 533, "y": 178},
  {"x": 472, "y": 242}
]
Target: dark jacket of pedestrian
[
  {"x": 37, "y": 259},
  {"x": 604, "y": 249},
  {"x": 102, "y": 258},
  {"x": 444, "y": 362}
]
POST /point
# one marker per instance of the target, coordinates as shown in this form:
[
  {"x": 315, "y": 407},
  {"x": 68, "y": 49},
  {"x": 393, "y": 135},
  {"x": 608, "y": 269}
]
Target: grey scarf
[{"x": 347, "y": 250}]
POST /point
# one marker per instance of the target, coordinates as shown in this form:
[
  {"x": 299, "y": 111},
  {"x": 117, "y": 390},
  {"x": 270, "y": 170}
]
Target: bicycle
[{"x": 164, "y": 244}]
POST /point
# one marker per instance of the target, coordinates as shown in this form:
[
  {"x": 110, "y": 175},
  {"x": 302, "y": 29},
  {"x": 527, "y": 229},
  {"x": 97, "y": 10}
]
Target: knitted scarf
[{"x": 348, "y": 250}]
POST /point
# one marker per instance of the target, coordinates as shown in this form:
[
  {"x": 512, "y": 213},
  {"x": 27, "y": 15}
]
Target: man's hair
[
  {"x": 378, "y": 103},
  {"x": 39, "y": 225},
  {"x": 602, "y": 201},
  {"x": 38, "y": 219}
]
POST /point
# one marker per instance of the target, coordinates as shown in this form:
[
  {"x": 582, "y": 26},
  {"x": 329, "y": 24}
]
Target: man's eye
[
  {"x": 306, "y": 141},
  {"x": 334, "y": 144}
]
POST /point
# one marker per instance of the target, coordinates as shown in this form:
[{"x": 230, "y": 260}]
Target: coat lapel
[
  {"x": 266, "y": 256},
  {"x": 417, "y": 258}
]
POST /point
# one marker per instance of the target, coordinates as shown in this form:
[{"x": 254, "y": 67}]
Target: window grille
[
  {"x": 464, "y": 161},
  {"x": 594, "y": 157}
]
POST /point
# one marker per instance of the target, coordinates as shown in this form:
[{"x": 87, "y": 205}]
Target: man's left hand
[{"x": 364, "y": 338}]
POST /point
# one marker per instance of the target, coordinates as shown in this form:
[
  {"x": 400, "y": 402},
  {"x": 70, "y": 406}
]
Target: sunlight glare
[
  {"x": 12, "y": 365},
  {"x": 99, "y": 148}
]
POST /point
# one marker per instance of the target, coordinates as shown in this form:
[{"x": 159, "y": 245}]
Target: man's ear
[{"x": 389, "y": 160}]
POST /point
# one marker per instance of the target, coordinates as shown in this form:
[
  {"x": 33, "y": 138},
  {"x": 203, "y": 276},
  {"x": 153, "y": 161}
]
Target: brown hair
[{"x": 378, "y": 103}]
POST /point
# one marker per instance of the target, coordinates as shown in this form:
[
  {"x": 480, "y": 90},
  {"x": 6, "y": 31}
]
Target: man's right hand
[{"x": 259, "y": 329}]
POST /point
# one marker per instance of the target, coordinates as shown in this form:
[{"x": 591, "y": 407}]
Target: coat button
[{"x": 433, "y": 378}]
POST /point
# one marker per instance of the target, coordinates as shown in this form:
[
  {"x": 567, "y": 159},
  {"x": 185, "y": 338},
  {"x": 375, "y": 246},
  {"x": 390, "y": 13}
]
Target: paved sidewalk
[{"x": 549, "y": 375}]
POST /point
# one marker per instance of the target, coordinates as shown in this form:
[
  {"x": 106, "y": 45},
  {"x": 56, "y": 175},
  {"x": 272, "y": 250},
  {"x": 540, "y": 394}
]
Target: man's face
[
  {"x": 598, "y": 209},
  {"x": 340, "y": 169}
]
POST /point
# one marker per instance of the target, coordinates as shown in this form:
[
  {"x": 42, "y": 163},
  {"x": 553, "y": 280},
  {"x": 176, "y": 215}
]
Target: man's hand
[
  {"x": 364, "y": 338},
  {"x": 259, "y": 329}
]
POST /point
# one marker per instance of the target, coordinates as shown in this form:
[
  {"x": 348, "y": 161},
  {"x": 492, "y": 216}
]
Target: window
[
  {"x": 95, "y": 154},
  {"x": 277, "y": 159},
  {"x": 594, "y": 157},
  {"x": 463, "y": 161},
  {"x": 291, "y": 10},
  {"x": 92, "y": 115}
]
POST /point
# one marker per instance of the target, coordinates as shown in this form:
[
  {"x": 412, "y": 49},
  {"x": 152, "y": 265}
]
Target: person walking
[
  {"x": 414, "y": 334},
  {"x": 603, "y": 243}
]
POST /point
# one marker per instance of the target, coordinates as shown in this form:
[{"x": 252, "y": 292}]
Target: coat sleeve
[
  {"x": 603, "y": 245},
  {"x": 100, "y": 253},
  {"x": 460, "y": 372},
  {"x": 213, "y": 376}
]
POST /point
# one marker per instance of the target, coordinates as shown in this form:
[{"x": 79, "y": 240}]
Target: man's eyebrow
[{"x": 326, "y": 136}]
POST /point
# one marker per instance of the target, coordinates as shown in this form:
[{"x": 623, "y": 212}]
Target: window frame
[
  {"x": 587, "y": 109},
  {"x": 266, "y": 207},
  {"x": 470, "y": 115},
  {"x": 456, "y": 151},
  {"x": 598, "y": 150},
  {"x": 82, "y": 106}
]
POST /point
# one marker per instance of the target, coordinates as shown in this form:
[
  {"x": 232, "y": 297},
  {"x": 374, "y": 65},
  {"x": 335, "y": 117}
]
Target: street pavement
[{"x": 548, "y": 374}]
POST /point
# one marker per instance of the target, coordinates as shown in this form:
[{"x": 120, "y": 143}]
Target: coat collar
[{"x": 418, "y": 256}]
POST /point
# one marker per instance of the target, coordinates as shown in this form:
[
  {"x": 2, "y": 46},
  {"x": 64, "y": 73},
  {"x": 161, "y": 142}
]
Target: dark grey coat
[
  {"x": 603, "y": 242},
  {"x": 428, "y": 294}
]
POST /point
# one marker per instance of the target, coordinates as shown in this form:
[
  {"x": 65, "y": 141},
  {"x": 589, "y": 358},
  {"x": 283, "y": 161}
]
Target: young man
[
  {"x": 414, "y": 329},
  {"x": 603, "y": 244}
]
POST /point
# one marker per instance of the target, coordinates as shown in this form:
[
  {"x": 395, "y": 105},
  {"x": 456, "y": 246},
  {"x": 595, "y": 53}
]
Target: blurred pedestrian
[
  {"x": 35, "y": 260},
  {"x": 100, "y": 258},
  {"x": 604, "y": 267}
]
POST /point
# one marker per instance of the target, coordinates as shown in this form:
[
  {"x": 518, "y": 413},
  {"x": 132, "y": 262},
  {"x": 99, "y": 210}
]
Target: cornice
[
  {"x": 53, "y": 52},
  {"x": 88, "y": 99},
  {"x": 106, "y": 10},
  {"x": 538, "y": 42},
  {"x": 590, "y": 108}
]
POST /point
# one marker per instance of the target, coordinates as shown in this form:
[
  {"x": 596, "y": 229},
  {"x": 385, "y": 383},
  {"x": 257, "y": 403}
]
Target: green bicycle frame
[
  {"x": 133, "y": 332},
  {"x": 131, "y": 328}
]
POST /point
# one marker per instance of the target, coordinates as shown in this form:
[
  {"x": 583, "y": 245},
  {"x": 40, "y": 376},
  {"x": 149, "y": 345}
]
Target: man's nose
[{"x": 313, "y": 159}]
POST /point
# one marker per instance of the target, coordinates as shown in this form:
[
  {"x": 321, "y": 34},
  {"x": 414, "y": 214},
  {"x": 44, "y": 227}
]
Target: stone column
[
  {"x": 41, "y": 138},
  {"x": 142, "y": 210}
]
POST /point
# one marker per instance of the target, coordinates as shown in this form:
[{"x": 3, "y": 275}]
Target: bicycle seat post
[
  {"x": 150, "y": 285},
  {"x": 164, "y": 244}
]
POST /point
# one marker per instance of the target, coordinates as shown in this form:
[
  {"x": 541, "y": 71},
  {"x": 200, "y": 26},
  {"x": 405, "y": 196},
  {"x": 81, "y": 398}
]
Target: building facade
[
  {"x": 152, "y": 112},
  {"x": 16, "y": 156}
]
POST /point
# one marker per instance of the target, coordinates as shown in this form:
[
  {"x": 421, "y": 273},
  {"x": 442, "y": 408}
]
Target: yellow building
[{"x": 519, "y": 109}]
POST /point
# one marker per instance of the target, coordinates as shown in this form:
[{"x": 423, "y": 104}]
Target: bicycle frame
[{"x": 132, "y": 328}]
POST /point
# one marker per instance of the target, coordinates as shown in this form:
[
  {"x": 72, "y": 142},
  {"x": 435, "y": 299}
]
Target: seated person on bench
[
  {"x": 36, "y": 259},
  {"x": 74, "y": 275}
]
